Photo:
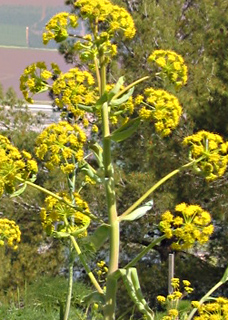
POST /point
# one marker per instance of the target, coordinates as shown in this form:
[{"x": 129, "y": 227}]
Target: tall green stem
[
  {"x": 97, "y": 74},
  {"x": 111, "y": 286},
  {"x": 70, "y": 285},
  {"x": 71, "y": 185}
]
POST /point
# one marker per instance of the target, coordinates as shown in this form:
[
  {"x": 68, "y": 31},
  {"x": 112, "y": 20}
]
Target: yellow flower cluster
[
  {"x": 162, "y": 108},
  {"x": 188, "y": 225},
  {"x": 212, "y": 150},
  {"x": 58, "y": 216},
  {"x": 116, "y": 18},
  {"x": 173, "y": 299},
  {"x": 60, "y": 144},
  {"x": 175, "y": 283},
  {"x": 9, "y": 233},
  {"x": 14, "y": 164},
  {"x": 101, "y": 271},
  {"x": 74, "y": 88},
  {"x": 57, "y": 27},
  {"x": 172, "y": 64},
  {"x": 217, "y": 310},
  {"x": 35, "y": 78}
]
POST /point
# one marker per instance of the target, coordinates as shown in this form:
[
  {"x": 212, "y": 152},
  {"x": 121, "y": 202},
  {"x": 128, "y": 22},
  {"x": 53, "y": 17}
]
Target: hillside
[{"x": 22, "y": 21}]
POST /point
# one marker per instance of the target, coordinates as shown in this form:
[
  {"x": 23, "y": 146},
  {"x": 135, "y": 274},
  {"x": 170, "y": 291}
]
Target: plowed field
[
  {"x": 48, "y": 3},
  {"x": 14, "y": 60}
]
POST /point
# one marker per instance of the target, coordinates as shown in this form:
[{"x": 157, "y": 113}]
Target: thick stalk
[
  {"x": 97, "y": 74},
  {"x": 111, "y": 286}
]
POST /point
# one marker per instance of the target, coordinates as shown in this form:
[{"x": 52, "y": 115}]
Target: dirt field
[
  {"x": 14, "y": 61},
  {"x": 48, "y": 3}
]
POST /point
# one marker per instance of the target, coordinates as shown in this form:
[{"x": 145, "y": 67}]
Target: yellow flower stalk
[
  {"x": 10, "y": 233},
  {"x": 57, "y": 216},
  {"x": 161, "y": 108},
  {"x": 14, "y": 165},
  {"x": 213, "y": 151},
  {"x": 189, "y": 224},
  {"x": 57, "y": 27},
  {"x": 59, "y": 144},
  {"x": 172, "y": 65}
]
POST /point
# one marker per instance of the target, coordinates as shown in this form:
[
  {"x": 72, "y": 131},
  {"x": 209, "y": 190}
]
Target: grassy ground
[
  {"x": 15, "y": 19},
  {"x": 20, "y": 15},
  {"x": 43, "y": 300},
  {"x": 12, "y": 35}
]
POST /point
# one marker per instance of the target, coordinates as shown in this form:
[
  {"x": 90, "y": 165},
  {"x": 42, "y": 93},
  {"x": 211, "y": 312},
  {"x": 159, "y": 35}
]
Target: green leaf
[
  {"x": 125, "y": 131},
  {"x": 102, "y": 100},
  {"x": 85, "y": 108},
  {"x": 93, "y": 297},
  {"x": 123, "y": 99},
  {"x": 139, "y": 212},
  {"x": 99, "y": 236},
  {"x": 60, "y": 234},
  {"x": 131, "y": 282},
  {"x": 78, "y": 231},
  {"x": 33, "y": 178},
  {"x": 98, "y": 153},
  {"x": 91, "y": 172},
  {"x": 225, "y": 276},
  {"x": 116, "y": 89},
  {"x": 61, "y": 35},
  {"x": 19, "y": 191}
]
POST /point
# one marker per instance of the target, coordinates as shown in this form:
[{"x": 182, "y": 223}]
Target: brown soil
[{"x": 14, "y": 61}]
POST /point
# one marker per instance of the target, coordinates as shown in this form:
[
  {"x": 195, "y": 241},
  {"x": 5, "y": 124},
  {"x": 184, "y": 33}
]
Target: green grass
[
  {"x": 15, "y": 19},
  {"x": 20, "y": 15},
  {"x": 12, "y": 35},
  {"x": 43, "y": 299}
]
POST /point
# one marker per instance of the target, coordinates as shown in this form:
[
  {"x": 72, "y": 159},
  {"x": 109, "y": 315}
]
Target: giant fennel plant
[{"x": 115, "y": 112}]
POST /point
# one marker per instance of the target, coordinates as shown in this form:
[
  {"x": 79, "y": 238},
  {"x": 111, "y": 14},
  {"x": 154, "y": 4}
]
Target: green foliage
[
  {"x": 44, "y": 298},
  {"x": 16, "y": 118},
  {"x": 36, "y": 256}
]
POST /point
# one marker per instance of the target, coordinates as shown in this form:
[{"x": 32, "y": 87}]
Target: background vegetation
[{"x": 198, "y": 31}]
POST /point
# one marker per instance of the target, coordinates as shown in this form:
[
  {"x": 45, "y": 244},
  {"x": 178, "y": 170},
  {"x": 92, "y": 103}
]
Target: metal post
[
  {"x": 171, "y": 272},
  {"x": 27, "y": 36}
]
